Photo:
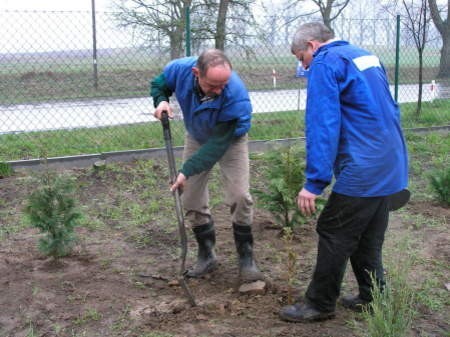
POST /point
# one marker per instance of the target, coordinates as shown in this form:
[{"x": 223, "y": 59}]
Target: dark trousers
[{"x": 349, "y": 228}]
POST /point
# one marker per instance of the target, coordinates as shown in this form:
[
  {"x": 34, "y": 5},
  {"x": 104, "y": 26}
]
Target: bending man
[{"x": 217, "y": 113}]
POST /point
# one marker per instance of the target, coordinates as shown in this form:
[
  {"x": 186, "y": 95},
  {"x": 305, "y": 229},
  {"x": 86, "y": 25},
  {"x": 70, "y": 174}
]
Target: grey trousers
[{"x": 234, "y": 169}]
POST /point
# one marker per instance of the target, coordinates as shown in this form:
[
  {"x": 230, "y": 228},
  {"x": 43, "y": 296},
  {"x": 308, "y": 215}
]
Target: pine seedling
[
  {"x": 51, "y": 208},
  {"x": 440, "y": 182},
  {"x": 284, "y": 175}
]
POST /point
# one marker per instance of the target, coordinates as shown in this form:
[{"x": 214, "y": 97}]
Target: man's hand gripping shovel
[{"x": 178, "y": 206}]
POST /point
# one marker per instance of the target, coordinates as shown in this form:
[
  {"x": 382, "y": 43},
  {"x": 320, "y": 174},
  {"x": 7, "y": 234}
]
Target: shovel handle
[
  {"x": 178, "y": 205},
  {"x": 165, "y": 119},
  {"x": 168, "y": 142}
]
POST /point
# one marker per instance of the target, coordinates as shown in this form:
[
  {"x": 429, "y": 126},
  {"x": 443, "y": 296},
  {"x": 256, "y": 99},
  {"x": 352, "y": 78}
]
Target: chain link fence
[{"x": 61, "y": 94}]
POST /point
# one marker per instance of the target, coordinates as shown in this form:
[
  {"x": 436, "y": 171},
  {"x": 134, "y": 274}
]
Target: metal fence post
[
  {"x": 188, "y": 31},
  {"x": 94, "y": 46},
  {"x": 397, "y": 57}
]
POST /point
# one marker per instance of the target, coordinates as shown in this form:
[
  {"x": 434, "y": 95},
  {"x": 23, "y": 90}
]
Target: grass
[
  {"x": 392, "y": 310},
  {"x": 121, "y": 138},
  {"x": 276, "y": 125},
  {"x": 427, "y": 153},
  {"x": 436, "y": 113},
  {"x": 5, "y": 170},
  {"x": 90, "y": 314}
]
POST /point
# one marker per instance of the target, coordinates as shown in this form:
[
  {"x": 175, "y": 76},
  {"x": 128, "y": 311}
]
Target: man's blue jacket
[
  {"x": 201, "y": 117},
  {"x": 352, "y": 125}
]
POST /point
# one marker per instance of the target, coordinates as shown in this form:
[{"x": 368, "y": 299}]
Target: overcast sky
[
  {"x": 32, "y": 32},
  {"x": 54, "y": 5}
]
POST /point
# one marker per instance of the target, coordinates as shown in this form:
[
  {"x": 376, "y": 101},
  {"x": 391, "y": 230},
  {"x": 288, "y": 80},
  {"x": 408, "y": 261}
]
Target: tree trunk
[
  {"x": 176, "y": 45},
  {"x": 419, "y": 98},
  {"x": 444, "y": 64},
  {"x": 325, "y": 11},
  {"x": 221, "y": 24},
  {"x": 443, "y": 26}
]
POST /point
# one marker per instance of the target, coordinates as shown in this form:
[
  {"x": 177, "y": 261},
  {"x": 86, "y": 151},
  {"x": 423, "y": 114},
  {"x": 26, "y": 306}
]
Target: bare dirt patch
[{"x": 119, "y": 281}]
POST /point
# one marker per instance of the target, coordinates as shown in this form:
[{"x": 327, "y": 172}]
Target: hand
[
  {"x": 306, "y": 202},
  {"x": 161, "y": 107},
  {"x": 179, "y": 183}
]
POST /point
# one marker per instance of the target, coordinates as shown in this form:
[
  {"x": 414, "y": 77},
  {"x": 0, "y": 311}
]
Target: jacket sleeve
[
  {"x": 323, "y": 123},
  {"x": 210, "y": 152},
  {"x": 159, "y": 90}
]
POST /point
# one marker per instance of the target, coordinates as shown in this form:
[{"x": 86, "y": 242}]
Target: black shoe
[
  {"x": 303, "y": 313},
  {"x": 206, "y": 257},
  {"x": 248, "y": 270},
  {"x": 355, "y": 303}
]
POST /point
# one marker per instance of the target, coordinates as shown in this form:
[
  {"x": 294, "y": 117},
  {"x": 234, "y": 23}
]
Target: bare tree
[
  {"x": 276, "y": 20},
  {"x": 223, "y": 20},
  {"x": 154, "y": 18},
  {"x": 443, "y": 26},
  {"x": 417, "y": 23},
  {"x": 212, "y": 20},
  {"x": 362, "y": 22},
  {"x": 330, "y": 9},
  {"x": 416, "y": 19}
]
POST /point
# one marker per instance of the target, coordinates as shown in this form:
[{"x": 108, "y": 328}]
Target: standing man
[
  {"x": 217, "y": 112},
  {"x": 352, "y": 130}
]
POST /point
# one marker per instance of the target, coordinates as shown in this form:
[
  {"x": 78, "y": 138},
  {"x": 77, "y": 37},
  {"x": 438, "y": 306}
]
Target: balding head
[
  {"x": 212, "y": 58},
  {"x": 213, "y": 70}
]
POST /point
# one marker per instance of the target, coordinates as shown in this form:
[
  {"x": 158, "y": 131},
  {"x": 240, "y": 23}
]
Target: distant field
[{"x": 28, "y": 78}]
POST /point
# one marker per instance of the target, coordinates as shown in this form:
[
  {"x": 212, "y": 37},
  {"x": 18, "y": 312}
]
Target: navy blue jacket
[{"x": 352, "y": 125}]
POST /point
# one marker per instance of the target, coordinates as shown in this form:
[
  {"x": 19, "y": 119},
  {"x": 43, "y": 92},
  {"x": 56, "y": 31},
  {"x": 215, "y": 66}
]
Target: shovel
[{"x": 178, "y": 206}]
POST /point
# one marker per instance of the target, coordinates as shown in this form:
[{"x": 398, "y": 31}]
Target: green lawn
[{"x": 268, "y": 126}]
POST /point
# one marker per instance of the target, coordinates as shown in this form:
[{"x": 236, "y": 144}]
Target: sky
[
  {"x": 54, "y": 5},
  {"x": 49, "y": 25},
  {"x": 35, "y": 32}
]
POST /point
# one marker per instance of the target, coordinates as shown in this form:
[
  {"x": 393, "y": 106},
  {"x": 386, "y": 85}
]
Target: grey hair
[
  {"x": 212, "y": 58},
  {"x": 308, "y": 32}
]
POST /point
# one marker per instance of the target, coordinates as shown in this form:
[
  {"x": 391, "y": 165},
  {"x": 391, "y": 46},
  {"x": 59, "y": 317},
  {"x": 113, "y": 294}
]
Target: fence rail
[{"x": 55, "y": 101}]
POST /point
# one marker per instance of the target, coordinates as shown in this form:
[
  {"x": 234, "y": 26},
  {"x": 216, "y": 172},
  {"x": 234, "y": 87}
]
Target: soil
[{"x": 115, "y": 285}]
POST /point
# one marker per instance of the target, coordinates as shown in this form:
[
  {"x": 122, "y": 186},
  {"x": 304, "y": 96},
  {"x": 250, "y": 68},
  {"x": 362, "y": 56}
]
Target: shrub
[
  {"x": 51, "y": 208},
  {"x": 440, "y": 182},
  {"x": 284, "y": 175}
]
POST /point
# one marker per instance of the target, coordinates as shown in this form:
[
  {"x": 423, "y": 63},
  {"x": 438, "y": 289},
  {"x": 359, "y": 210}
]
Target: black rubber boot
[
  {"x": 248, "y": 271},
  {"x": 206, "y": 258},
  {"x": 355, "y": 303},
  {"x": 303, "y": 313}
]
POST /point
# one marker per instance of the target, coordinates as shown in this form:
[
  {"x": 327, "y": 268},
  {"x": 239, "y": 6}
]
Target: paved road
[{"x": 96, "y": 113}]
